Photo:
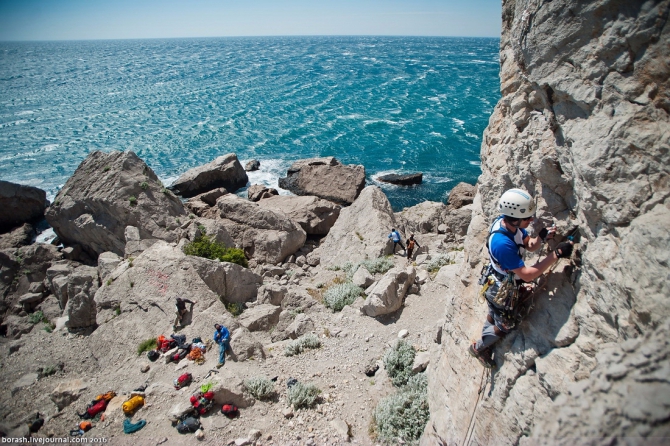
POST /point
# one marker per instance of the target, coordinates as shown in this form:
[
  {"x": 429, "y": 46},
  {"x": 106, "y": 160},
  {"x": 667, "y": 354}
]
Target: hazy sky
[{"x": 124, "y": 19}]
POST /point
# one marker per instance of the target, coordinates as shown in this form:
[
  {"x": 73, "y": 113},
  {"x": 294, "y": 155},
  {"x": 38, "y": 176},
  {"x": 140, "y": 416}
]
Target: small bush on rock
[
  {"x": 301, "y": 344},
  {"x": 398, "y": 362},
  {"x": 438, "y": 262},
  {"x": 404, "y": 414},
  {"x": 378, "y": 265},
  {"x": 337, "y": 296},
  {"x": 234, "y": 308},
  {"x": 145, "y": 346},
  {"x": 37, "y": 317},
  {"x": 302, "y": 395},
  {"x": 204, "y": 247},
  {"x": 260, "y": 387}
]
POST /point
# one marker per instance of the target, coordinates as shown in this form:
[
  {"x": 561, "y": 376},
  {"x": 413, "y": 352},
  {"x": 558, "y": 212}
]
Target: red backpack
[
  {"x": 229, "y": 410},
  {"x": 96, "y": 408},
  {"x": 183, "y": 381}
]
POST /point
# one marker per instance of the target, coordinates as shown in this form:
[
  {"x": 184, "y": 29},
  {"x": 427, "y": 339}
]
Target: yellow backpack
[{"x": 134, "y": 403}]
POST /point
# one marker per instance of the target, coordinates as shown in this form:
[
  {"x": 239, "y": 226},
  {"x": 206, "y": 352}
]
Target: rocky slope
[{"x": 583, "y": 124}]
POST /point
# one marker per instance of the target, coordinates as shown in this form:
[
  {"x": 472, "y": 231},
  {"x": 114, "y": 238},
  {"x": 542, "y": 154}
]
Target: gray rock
[
  {"x": 461, "y": 195},
  {"x": 271, "y": 294},
  {"x": 81, "y": 309},
  {"x": 421, "y": 361},
  {"x": 260, "y": 317},
  {"x": 229, "y": 281},
  {"x": 387, "y": 295},
  {"x": 325, "y": 178},
  {"x": 360, "y": 232},
  {"x": 315, "y": 216},
  {"x": 244, "y": 345},
  {"x": 16, "y": 326},
  {"x": 68, "y": 392},
  {"x": 263, "y": 234},
  {"x": 26, "y": 380},
  {"x": 20, "y": 204},
  {"x": 259, "y": 192},
  {"x": 229, "y": 388},
  {"x": 107, "y": 262},
  {"x": 362, "y": 278},
  {"x": 402, "y": 180},
  {"x": 94, "y": 208},
  {"x": 341, "y": 427},
  {"x": 19, "y": 236},
  {"x": 225, "y": 171},
  {"x": 252, "y": 165},
  {"x": 302, "y": 324}
]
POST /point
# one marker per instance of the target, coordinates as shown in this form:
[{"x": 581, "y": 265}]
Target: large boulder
[
  {"x": 244, "y": 345},
  {"x": 325, "y": 178},
  {"x": 107, "y": 193},
  {"x": 422, "y": 218},
  {"x": 315, "y": 216},
  {"x": 20, "y": 268},
  {"x": 260, "y": 317},
  {"x": 225, "y": 171},
  {"x": 81, "y": 288},
  {"x": 265, "y": 235},
  {"x": 20, "y": 204},
  {"x": 361, "y": 231},
  {"x": 19, "y": 236},
  {"x": 229, "y": 281},
  {"x": 461, "y": 195},
  {"x": 402, "y": 180},
  {"x": 199, "y": 204},
  {"x": 258, "y": 192},
  {"x": 67, "y": 392},
  {"x": 386, "y": 295}
]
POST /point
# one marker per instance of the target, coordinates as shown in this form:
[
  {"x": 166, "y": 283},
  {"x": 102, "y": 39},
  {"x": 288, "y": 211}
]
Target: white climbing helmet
[{"x": 516, "y": 203}]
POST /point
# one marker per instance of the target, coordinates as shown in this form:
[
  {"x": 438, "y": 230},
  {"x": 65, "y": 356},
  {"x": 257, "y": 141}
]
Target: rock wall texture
[{"x": 584, "y": 125}]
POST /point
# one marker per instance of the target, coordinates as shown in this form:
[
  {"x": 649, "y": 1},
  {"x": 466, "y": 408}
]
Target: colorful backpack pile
[
  {"x": 163, "y": 344},
  {"x": 183, "y": 381},
  {"x": 98, "y": 405},
  {"x": 202, "y": 402}
]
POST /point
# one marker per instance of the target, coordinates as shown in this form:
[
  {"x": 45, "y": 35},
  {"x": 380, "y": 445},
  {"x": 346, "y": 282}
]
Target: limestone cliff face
[{"x": 584, "y": 125}]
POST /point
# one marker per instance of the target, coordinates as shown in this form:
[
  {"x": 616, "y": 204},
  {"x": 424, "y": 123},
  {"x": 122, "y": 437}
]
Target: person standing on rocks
[
  {"x": 505, "y": 278},
  {"x": 180, "y": 311},
  {"x": 221, "y": 337},
  {"x": 410, "y": 247},
  {"x": 397, "y": 240}
]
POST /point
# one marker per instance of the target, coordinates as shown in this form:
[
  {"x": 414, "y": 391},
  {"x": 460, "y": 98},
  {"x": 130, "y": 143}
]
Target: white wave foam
[
  {"x": 49, "y": 147},
  {"x": 25, "y": 112},
  {"x": 437, "y": 134},
  {"x": 46, "y": 236},
  {"x": 475, "y": 163},
  {"x": 471, "y": 135}
]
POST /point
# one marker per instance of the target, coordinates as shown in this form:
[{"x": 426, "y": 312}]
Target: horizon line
[{"x": 245, "y": 36}]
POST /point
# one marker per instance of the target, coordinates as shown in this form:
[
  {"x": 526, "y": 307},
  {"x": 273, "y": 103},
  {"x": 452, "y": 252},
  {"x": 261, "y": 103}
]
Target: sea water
[{"x": 393, "y": 104}]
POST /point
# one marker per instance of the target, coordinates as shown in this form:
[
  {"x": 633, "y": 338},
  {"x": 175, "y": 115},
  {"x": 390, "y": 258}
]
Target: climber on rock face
[{"x": 505, "y": 278}]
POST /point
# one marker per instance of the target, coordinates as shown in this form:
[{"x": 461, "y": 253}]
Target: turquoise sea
[{"x": 392, "y": 104}]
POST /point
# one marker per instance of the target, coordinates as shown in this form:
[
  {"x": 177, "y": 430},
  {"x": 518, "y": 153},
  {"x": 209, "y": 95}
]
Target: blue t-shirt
[
  {"x": 504, "y": 250},
  {"x": 221, "y": 335}
]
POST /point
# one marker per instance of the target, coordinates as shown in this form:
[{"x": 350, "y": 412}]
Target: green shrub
[
  {"x": 144, "y": 185},
  {"x": 301, "y": 344},
  {"x": 117, "y": 310},
  {"x": 398, "y": 362},
  {"x": 234, "y": 308},
  {"x": 260, "y": 387},
  {"x": 438, "y": 262},
  {"x": 203, "y": 246},
  {"x": 378, "y": 265},
  {"x": 403, "y": 415},
  {"x": 49, "y": 327},
  {"x": 145, "y": 346},
  {"x": 133, "y": 200},
  {"x": 337, "y": 296},
  {"x": 302, "y": 395},
  {"x": 38, "y": 317}
]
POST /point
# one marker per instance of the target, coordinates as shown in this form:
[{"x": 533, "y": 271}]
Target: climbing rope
[{"x": 482, "y": 386}]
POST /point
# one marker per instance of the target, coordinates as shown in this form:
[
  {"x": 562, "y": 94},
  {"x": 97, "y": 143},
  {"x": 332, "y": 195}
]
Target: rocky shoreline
[{"x": 114, "y": 281}]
